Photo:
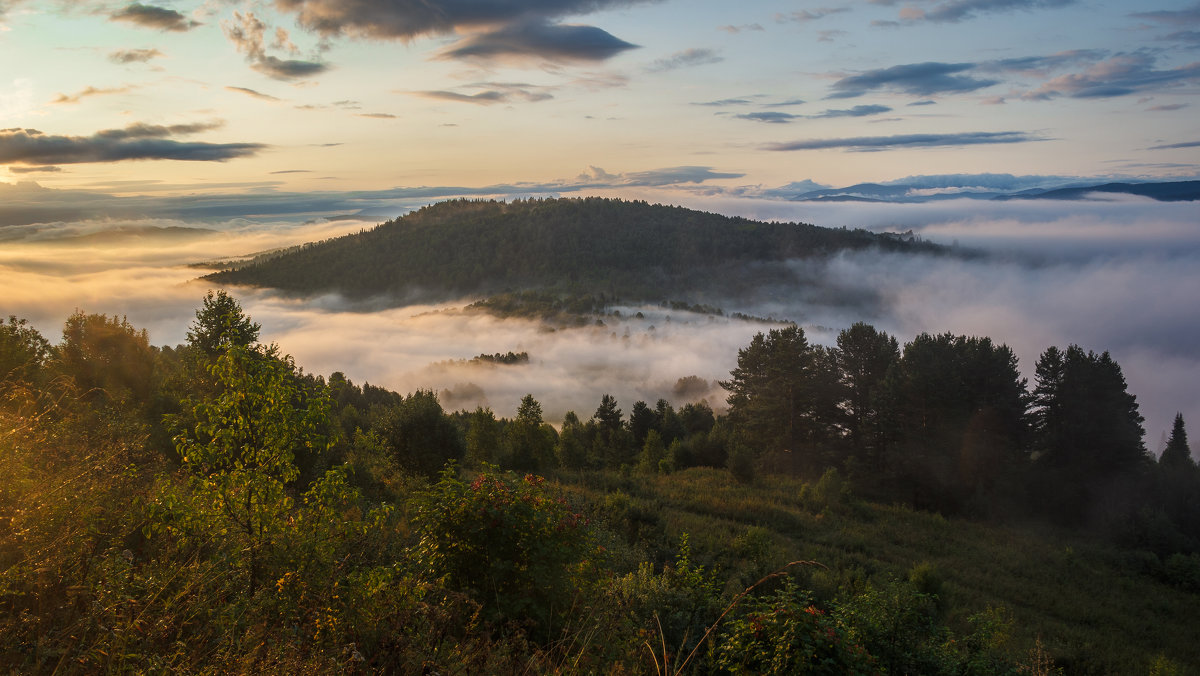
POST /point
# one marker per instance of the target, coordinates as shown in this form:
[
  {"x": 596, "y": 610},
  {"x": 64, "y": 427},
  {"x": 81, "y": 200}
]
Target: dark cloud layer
[
  {"x": 540, "y": 39},
  {"x": 775, "y": 117},
  {"x": 135, "y": 142},
  {"x": 489, "y": 93},
  {"x": 402, "y": 19},
  {"x": 770, "y": 116},
  {"x": 151, "y": 16},
  {"x": 918, "y": 79},
  {"x": 869, "y": 143}
]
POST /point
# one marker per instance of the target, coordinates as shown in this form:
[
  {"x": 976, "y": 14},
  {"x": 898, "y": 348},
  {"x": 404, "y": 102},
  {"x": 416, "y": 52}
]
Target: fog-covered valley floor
[{"x": 1118, "y": 275}]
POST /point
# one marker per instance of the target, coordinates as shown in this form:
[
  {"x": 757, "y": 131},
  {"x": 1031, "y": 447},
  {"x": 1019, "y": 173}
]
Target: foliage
[
  {"x": 506, "y": 542},
  {"x": 784, "y": 633},
  {"x": 221, "y": 324},
  {"x": 242, "y": 450},
  {"x": 1177, "y": 454},
  {"x": 23, "y": 351}
]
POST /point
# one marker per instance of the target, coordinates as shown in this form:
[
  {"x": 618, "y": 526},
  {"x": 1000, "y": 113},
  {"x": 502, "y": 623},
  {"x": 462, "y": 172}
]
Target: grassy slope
[{"x": 1091, "y": 612}]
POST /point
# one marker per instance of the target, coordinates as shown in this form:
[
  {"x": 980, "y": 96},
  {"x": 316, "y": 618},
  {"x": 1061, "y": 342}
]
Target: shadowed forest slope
[{"x": 632, "y": 250}]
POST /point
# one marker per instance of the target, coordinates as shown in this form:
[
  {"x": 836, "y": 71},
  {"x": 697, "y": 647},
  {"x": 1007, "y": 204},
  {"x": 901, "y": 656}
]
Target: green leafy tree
[
  {"x": 107, "y": 358},
  {"x": 221, "y": 324},
  {"x": 23, "y": 351},
  {"x": 419, "y": 434},
  {"x": 530, "y": 438},
  {"x": 571, "y": 447},
  {"x": 483, "y": 436},
  {"x": 653, "y": 453},
  {"x": 241, "y": 451}
]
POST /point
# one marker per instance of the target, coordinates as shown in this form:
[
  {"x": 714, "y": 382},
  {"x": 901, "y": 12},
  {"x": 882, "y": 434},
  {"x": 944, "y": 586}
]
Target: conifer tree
[{"x": 1177, "y": 454}]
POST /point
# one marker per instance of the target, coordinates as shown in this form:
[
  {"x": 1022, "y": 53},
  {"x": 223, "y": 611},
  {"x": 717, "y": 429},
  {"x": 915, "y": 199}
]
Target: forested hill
[{"x": 632, "y": 250}]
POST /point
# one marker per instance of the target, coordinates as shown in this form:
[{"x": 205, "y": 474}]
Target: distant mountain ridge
[
  {"x": 1172, "y": 191},
  {"x": 630, "y": 250}
]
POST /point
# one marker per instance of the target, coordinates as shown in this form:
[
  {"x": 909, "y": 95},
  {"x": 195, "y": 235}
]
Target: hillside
[{"x": 632, "y": 250}]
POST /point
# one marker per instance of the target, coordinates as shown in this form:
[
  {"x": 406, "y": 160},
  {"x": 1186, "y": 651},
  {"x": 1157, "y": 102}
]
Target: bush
[
  {"x": 505, "y": 542},
  {"x": 785, "y": 634}
]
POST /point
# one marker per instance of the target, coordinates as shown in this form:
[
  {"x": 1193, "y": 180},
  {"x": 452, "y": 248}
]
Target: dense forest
[
  {"x": 863, "y": 508},
  {"x": 629, "y": 250}
]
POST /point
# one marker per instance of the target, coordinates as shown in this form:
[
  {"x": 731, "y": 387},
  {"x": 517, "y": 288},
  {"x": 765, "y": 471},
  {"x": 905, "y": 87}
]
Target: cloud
[
  {"x": 377, "y": 116},
  {"x": 133, "y": 55},
  {"x": 776, "y": 117},
  {"x": 1043, "y": 65},
  {"x": 1119, "y": 75},
  {"x": 771, "y": 117},
  {"x": 89, "y": 92},
  {"x": 541, "y": 40},
  {"x": 135, "y": 142},
  {"x": 253, "y": 93},
  {"x": 724, "y": 102},
  {"x": 959, "y": 10},
  {"x": 870, "y": 143},
  {"x": 402, "y": 19},
  {"x": 29, "y": 203},
  {"x": 1189, "y": 16},
  {"x": 696, "y": 56},
  {"x": 35, "y": 170},
  {"x": 746, "y": 27},
  {"x": 1167, "y": 107},
  {"x": 806, "y": 15},
  {"x": 247, "y": 33},
  {"x": 673, "y": 176},
  {"x": 856, "y": 111},
  {"x": 150, "y": 16},
  {"x": 1175, "y": 146},
  {"x": 918, "y": 79},
  {"x": 493, "y": 92}
]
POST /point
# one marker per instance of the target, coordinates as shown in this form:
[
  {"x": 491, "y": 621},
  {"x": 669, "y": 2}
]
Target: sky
[
  {"x": 137, "y": 138},
  {"x": 174, "y": 97}
]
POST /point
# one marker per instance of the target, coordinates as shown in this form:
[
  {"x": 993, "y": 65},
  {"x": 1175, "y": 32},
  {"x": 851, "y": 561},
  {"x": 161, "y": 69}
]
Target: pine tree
[{"x": 1177, "y": 454}]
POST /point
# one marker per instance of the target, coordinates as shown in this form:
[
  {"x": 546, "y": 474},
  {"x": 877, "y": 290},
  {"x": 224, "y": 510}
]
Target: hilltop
[{"x": 631, "y": 250}]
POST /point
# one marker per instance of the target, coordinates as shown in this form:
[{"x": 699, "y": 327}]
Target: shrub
[
  {"x": 784, "y": 633},
  {"x": 505, "y": 542}
]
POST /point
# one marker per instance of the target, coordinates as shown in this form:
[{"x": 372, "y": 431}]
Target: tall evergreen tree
[
  {"x": 1085, "y": 419},
  {"x": 1177, "y": 453},
  {"x": 864, "y": 356}
]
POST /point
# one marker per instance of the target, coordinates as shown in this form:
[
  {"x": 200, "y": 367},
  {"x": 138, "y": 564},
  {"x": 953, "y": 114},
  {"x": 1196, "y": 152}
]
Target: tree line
[{"x": 581, "y": 247}]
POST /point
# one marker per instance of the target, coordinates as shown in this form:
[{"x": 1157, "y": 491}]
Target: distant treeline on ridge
[{"x": 633, "y": 250}]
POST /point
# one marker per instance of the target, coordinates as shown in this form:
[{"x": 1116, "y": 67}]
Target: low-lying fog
[{"x": 1119, "y": 275}]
